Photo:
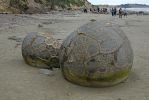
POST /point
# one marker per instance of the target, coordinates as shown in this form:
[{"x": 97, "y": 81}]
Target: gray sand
[{"x": 19, "y": 81}]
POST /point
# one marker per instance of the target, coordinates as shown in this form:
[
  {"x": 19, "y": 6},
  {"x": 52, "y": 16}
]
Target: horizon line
[{"x": 121, "y": 4}]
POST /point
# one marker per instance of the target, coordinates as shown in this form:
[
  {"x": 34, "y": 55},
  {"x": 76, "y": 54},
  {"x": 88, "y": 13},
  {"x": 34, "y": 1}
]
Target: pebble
[
  {"x": 39, "y": 25},
  {"x": 119, "y": 99},
  {"x": 92, "y": 20},
  {"x": 69, "y": 94},
  {"x": 46, "y": 72},
  {"x": 15, "y": 38}
]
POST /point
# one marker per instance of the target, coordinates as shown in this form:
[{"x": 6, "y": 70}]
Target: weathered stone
[
  {"x": 98, "y": 54},
  {"x": 41, "y": 50}
]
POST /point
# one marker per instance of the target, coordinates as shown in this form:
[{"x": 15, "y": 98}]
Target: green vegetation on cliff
[
  {"x": 25, "y": 5},
  {"x": 19, "y": 4},
  {"x": 65, "y": 3}
]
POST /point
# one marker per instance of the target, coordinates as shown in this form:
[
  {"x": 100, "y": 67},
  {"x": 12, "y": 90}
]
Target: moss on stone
[
  {"x": 42, "y": 63},
  {"x": 36, "y": 62},
  {"x": 97, "y": 79}
]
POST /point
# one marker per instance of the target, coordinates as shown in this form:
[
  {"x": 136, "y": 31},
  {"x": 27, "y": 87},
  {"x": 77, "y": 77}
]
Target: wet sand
[{"x": 19, "y": 81}]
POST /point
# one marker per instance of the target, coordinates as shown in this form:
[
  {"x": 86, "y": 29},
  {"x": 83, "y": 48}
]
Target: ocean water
[{"x": 138, "y": 9}]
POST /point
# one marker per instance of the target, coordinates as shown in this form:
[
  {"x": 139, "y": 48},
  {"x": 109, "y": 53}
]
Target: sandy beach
[{"x": 19, "y": 81}]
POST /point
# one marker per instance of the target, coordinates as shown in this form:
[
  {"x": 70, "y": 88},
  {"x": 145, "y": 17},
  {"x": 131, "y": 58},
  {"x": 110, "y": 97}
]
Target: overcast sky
[{"x": 116, "y": 2}]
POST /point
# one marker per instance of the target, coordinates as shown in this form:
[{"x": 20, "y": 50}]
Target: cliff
[{"x": 40, "y": 6}]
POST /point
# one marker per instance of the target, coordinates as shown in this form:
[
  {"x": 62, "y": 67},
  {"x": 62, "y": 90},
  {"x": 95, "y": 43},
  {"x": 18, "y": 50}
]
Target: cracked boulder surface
[
  {"x": 41, "y": 50},
  {"x": 97, "y": 54}
]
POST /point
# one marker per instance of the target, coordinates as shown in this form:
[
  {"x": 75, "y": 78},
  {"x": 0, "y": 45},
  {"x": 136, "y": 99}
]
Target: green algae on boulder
[
  {"x": 98, "y": 54},
  {"x": 41, "y": 50}
]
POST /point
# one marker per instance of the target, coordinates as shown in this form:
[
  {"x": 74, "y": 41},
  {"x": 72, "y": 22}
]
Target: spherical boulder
[
  {"x": 97, "y": 54},
  {"x": 41, "y": 50}
]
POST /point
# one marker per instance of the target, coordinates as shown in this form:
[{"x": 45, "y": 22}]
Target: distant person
[
  {"x": 105, "y": 10},
  {"x": 98, "y": 9},
  {"x": 94, "y": 10},
  {"x": 91, "y": 10},
  {"x": 140, "y": 13},
  {"x": 115, "y": 11},
  {"x": 125, "y": 12},
  {"x": 85, "y": 10},
  {"x": 112, "y": 11},
  {"x": 120, "y": 13}
]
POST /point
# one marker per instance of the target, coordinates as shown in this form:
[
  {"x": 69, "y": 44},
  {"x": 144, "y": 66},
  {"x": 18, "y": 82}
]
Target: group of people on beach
[
  {"x": 97, "y": 10},
  {"x": 113, "y": 11},
  {"x": 121, "y": 12}
]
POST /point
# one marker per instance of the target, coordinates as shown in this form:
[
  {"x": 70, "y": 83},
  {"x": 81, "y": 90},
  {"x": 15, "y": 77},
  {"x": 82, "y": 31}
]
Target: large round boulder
[
  {"x": 97, "y": 54},
  {"x": 41, "y": 50}
]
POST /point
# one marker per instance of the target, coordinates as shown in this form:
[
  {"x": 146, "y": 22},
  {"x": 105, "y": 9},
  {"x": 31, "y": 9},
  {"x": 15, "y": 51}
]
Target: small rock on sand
[
  {"x": 119, "y": 99},
  {"x": 46, "y": 72},
  {"x": 15, "y": 38}
]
